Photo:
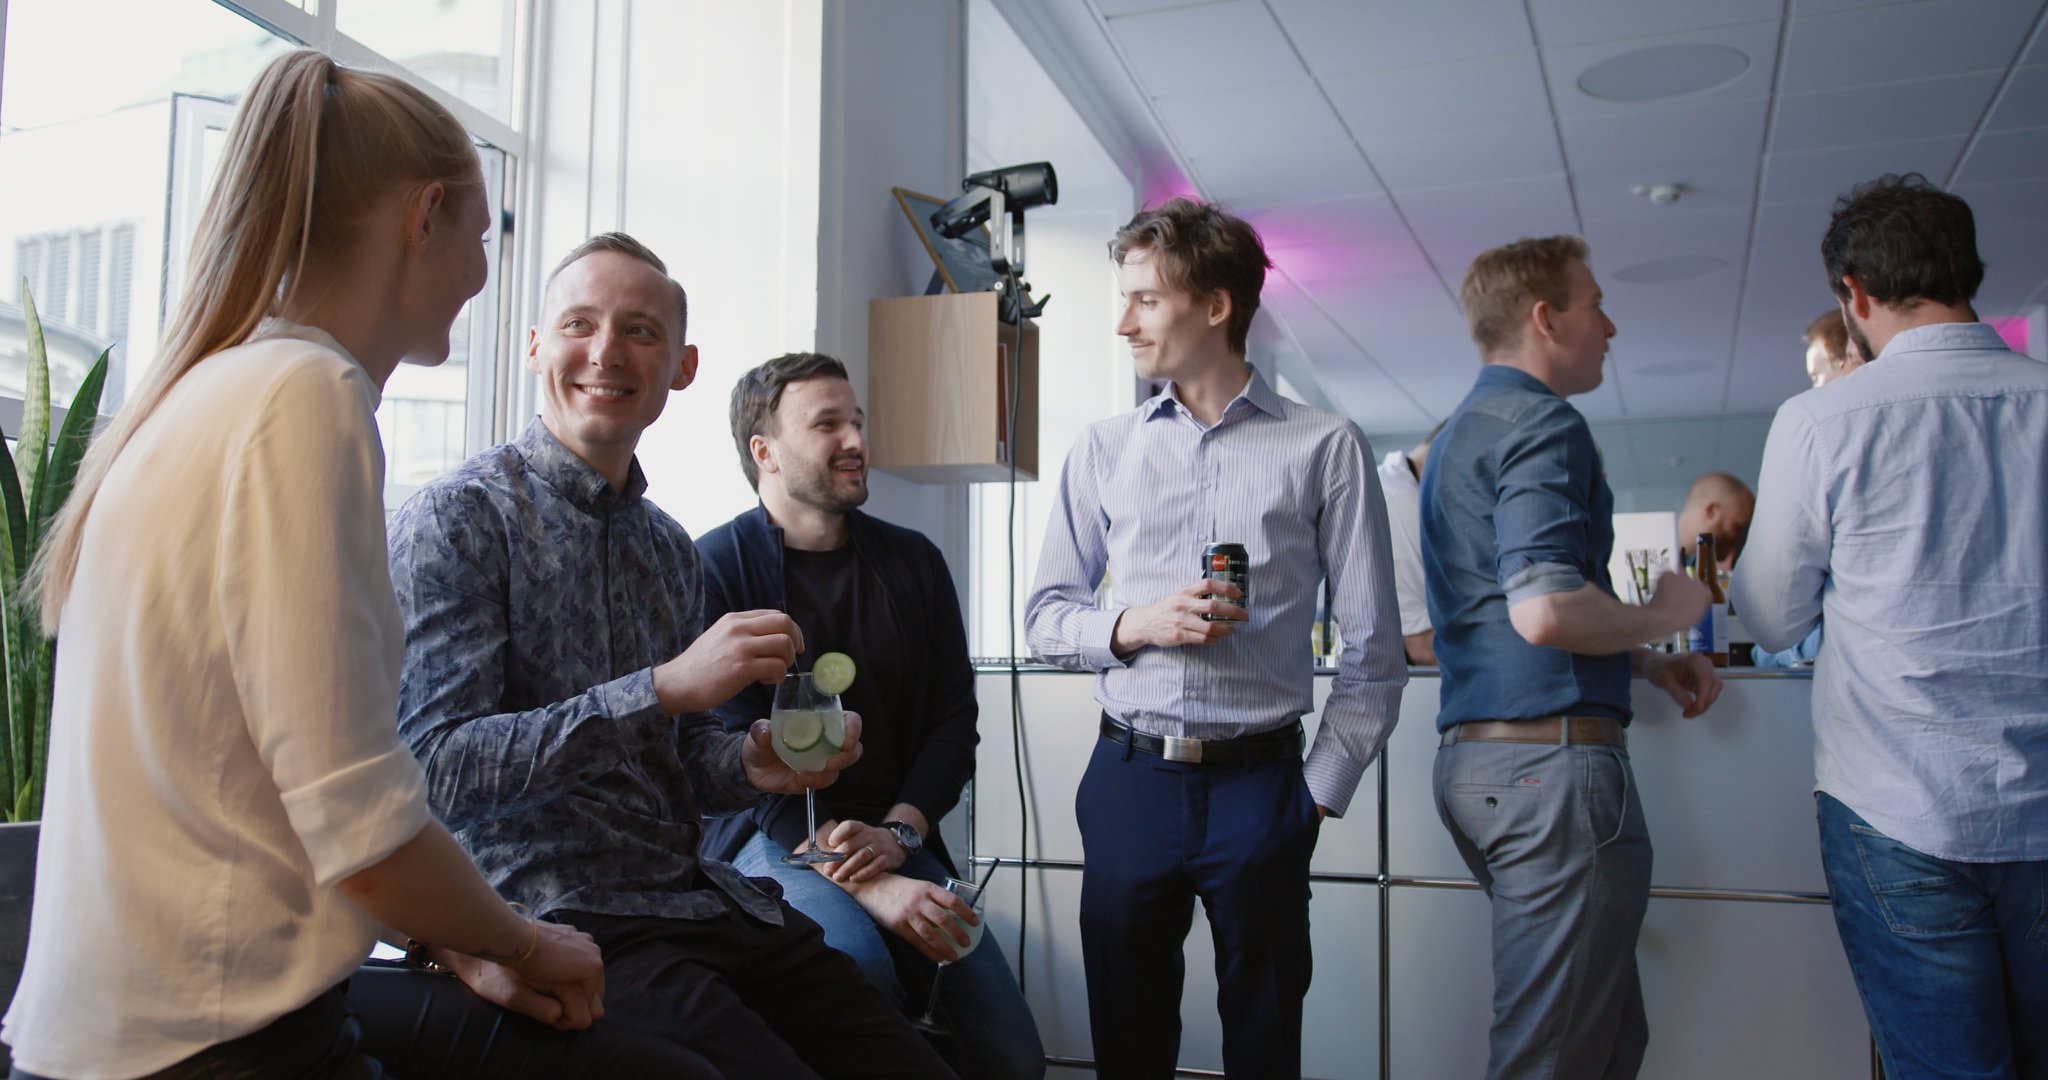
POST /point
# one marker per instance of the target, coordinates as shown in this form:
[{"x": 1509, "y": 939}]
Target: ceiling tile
[
  {"x": 1585, "y": 22},
  {"x": 1696, "y": 393},
  {"x": 1893, "y": 112},
  {"x": 2024, "y": 103},
  {"x": 2006, "y": 155},
  {"x": 1112, "y": 9},
  {"x": 1466, "y": 157},
  {"x": 1813, "y": 178},
  {"x": 1340, "y": 35},
  {"x": 1455, "y": 224},
  {"x": 1903, "y": 42},
  {"x": 1601, "y": 404},
  {"x": 1238, "y": 154},
  {"x": 1621, "y": 242},
  {"x": 1711, "y": 148},
  {"x": 1214, "y": 50},
  {"x": 1438, "y": 99},
  {"x": 1756, "y": 40}
]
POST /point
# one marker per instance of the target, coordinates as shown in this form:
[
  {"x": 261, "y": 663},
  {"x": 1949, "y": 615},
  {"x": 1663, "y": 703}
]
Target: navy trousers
[{"x": 1158, "y": 834}]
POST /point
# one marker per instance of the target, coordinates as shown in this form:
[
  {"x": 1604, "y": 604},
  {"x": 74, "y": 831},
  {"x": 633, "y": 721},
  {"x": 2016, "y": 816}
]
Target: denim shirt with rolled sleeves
[{"x": 1515, "y": 505}]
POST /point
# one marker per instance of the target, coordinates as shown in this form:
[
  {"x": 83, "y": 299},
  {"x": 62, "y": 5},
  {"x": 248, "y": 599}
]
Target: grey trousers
[{"x": 1555, "y": 834}]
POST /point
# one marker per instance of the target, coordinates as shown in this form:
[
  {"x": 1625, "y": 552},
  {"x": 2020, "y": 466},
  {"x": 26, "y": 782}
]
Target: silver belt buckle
[{"x": 1188, "y": 751}]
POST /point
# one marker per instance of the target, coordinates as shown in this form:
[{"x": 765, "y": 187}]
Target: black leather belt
[{"x": 1243, "y": 750}]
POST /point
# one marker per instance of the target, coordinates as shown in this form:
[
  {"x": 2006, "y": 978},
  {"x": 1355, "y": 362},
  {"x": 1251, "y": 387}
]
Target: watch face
[{"x": 906, "y": 835}]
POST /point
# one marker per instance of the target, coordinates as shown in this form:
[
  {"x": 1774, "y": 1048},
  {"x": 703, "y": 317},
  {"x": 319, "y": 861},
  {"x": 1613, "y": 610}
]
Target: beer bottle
[{"x": 1710, "y": 636}]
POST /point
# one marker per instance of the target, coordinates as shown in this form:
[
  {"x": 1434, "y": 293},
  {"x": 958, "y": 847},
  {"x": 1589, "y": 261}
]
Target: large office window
[{"x": 113, "y": 116}]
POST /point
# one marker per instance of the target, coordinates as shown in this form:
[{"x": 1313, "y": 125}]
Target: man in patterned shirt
[{"x": 556, "y": 687}]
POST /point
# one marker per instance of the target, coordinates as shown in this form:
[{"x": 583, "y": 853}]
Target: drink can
[{"x": 1231, "y": 563}]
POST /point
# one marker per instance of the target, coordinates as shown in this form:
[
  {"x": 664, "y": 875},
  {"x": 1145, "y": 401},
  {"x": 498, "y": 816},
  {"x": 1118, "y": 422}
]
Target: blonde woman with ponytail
[{"x": 231, "y": 818}]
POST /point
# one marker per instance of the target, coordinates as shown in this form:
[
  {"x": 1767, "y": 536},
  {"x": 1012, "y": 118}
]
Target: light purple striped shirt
[{"x": 1140, "y": 496}]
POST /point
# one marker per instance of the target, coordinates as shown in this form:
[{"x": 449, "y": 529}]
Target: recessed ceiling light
[
  {"x": 1670, "y": 268},
  {"x": 1663, "y": 71}
]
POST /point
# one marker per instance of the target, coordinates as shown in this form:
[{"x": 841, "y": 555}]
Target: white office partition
[{"x": 1742, "y": 972}]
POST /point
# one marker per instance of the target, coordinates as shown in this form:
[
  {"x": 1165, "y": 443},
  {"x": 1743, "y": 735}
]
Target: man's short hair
[
  {"x": 1831, "y": 332},
  {"x": 1904, "y": 240},
  {"x": 1201, "y": 249},
  {"x": 758, "y": 394},
  {"x": 1502, "y": 283},
  {"x": 623, "y": 244}
]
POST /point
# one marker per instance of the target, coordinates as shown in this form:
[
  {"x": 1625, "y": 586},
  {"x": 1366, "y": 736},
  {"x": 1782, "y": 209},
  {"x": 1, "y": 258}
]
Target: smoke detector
[{"x": 1661, "y": 194}]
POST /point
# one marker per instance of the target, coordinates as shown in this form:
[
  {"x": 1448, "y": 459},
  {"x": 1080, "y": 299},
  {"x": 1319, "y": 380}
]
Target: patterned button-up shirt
[{"x": 537, "y": 600}]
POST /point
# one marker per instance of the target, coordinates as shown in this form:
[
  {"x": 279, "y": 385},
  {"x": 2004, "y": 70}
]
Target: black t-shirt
[{"x": 842, "y": 608}]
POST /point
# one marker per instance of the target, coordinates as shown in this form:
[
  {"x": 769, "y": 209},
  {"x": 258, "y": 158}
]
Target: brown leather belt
[{"x": 1556, "y": 730}]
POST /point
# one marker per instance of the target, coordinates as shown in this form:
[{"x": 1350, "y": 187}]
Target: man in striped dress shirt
[{"x": 1197, "y": 787}]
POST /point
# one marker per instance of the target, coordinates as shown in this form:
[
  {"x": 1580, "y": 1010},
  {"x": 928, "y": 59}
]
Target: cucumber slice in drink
[
  {"x": 833, "y": 673},
  {"x": 835, "y": 730},
  {"x": 802, "y": 730}
]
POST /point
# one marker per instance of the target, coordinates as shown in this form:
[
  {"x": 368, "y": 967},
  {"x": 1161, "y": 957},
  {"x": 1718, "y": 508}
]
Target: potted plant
[{"x": 35, "y": 479}]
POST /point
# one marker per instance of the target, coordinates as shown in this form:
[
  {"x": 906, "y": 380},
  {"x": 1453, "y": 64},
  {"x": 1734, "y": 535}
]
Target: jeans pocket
[
  {"x": 1609, "y": 795},
  {"x": 1918, "y": 894}
]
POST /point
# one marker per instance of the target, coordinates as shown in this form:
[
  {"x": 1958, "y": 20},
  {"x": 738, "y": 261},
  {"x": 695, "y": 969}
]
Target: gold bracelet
[{"x": 531, "y": 946}]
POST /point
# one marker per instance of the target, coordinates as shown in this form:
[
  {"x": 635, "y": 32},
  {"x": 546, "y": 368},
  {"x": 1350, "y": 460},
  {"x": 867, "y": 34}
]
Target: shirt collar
[
  {"x": 1945, "y": 337},
  {"x": 278, "y": 327},
  {"x": 574, "y": 477},
  {"x": 1257, "y": 393},
  {"x": 1504, "y": 376}
]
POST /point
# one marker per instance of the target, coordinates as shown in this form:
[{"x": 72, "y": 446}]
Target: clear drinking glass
[
  {"x": 806, "y": 728},
  {"x": 970, "y": 892}
]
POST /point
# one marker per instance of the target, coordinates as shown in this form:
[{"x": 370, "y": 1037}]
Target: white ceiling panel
[
  {"x": 1117, "y": 8},
  {"x": 1925, "y": 109},
  {"x": 1671, "y": 395},
  {"x": 2025, "y": 102},
  {"x": 1701, "y": 146},
  {"x": 2037, "y": 53},
  {"x": 1351, "y": 378},
  {"x": 1238, "y": 154},
  {"x": 1618, "y": 243},
  {"x": 1813, "y": 178},
  {"x": 1769, "y": 370},
  {"x": 1338, "y": 34},
  {"x": 1489, "y": 93},
  {"x": 1408, "y": 323},
  {"x": 2006, "y": 155},
  {"x": 1756, "y": 40},
  {"x": 1456, "y": 158},
  {"x": 1602, "y": 403},
  {"x": 1586, "y": 22},
  {"x": 1903, "y": 42},
  {"x": 1456, "y": 224},
  {"x": 1213, "y": 51},
  {"x": 1441, "y": 392}
]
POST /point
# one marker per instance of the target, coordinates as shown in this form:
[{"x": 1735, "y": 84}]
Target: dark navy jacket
[{"x": 743, "y": 572}]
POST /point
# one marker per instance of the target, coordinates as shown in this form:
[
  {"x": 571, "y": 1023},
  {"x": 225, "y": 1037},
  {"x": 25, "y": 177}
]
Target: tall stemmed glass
[
  {"x": 972, "y": 893},
  {"x": 806, "y": 728}
]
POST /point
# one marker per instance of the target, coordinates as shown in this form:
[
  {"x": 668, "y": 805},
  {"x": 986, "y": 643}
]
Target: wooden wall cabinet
[{"x": 938, "y": 390}]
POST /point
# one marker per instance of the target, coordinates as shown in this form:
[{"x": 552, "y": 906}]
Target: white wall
[
  {"x": 1016, "y": 115},
  {"x": 893, "y": 116}
]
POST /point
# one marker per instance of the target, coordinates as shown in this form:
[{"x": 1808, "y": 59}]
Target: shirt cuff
[
  {"x": 353, "y": 818},
  {"x": 1098, "y": 628},
  {"x": 1542, "y": 579},
  {"x": 1332, "y": 780},
  {"x": 629, "y": 695}
]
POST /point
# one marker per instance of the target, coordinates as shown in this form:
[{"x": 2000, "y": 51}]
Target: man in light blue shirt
[
  {"x": 1197, "y": 787},
  {"x": 1909, "y": 507}
]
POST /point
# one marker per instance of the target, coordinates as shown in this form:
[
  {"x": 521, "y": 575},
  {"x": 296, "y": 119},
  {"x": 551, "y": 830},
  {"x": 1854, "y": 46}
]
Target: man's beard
[
  {"x": 815, "y": 488},
  {"x": 1859, "y": 342}
]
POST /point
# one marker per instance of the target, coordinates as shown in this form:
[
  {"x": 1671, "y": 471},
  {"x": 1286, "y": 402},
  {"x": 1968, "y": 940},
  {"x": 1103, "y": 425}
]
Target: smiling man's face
[{"x": 608, "y": 352}]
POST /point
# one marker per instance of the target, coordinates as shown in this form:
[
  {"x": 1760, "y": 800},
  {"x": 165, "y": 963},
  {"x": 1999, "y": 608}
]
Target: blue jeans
[
  {"x": 1951, "y": 958},
  {"x": 1556, "y": 836},
  {"x": 994, "y": 1034}
]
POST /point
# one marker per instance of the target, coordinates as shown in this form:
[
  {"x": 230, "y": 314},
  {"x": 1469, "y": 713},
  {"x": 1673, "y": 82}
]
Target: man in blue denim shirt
[
  {"x": 1909, "y": 506},
  {"x": 1536, "y": 653},
  {"x": 557, "y": 687}
]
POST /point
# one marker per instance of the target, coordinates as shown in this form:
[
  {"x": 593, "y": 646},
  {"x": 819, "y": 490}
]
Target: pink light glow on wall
[{"x": 2013, "y": 328}]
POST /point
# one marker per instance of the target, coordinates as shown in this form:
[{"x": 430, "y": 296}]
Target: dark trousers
[
  {"x": 1158, "y": 834},
  {"x": 317, "y": 1041},
  {"x": 426, "y": 1027},
  {"x": 755, "y": 1000}
]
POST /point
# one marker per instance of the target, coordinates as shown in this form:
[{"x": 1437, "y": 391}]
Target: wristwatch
[{"x": 906, "y": 834}]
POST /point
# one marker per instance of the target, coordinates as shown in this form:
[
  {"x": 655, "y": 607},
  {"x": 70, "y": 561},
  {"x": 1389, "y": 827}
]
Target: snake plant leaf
[
  {"x": 43, "y": 661},
  {"x": 69, "y": 449},
  {"x": 34, "y": 441}
]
